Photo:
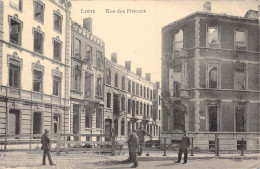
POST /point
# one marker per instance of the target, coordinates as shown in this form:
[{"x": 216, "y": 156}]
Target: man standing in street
[
  {"x": 46, "y": 148},
  {"x": 132, "y": 143},
  {"x": 183, "y": 148},
  {"x": 141, "y": 133}
]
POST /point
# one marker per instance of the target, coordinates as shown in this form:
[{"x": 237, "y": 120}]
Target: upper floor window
[
  {"x": 108, "y": 75},
  {"x": 141, "y": 90},
  {"x": 16, "y": 4},
  {"x": 57, "y": 49},
  {"x": 141, "y": 108},
  {"x": 176, "y": 89},
  {"x": 137, "y": 89},
  {"x": 37, "y": 81},
  {"x": 144, "y": 92},
  {"x": 240, "y": 76},
  {"x": 38, "y": 40},
  {"x": 57, "y": 21},
  {"x": 109, "y": 100},
  {"x": 89, "y": 53},
  {"x": 39, "y": 11},
  {"x": 151, "y": 94},
  {"x": 116, "y": 80},
  {"x": 240, "y": 39},
  {"x": 133, "y": 87},
  {"x": 56, "y": 86},
  {"x": 15, "y": 31},
  {"x": 99, "y": 60},
  {"x": 129, "y": 86},
  {"x": 77, "y": 48},
  {"x": 123, "y": 83},
  {"x": 123, "y": 103},
  {"x": 77, "y": 78},
  {"x": 14, "y": 75},
  {"x": 99, "y": 87},
  {"x": 213, "y": 76},
  {"x": 178, "y": 43},
  {"x": 213, "y": 37},
  {"x": 147, "y": 93}
]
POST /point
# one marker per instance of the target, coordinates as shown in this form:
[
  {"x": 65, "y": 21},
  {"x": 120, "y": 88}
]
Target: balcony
[{"x": 31, "y": 96}]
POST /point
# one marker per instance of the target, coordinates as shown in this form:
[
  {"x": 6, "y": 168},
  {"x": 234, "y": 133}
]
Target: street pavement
[{"x": 78, "y": 160}]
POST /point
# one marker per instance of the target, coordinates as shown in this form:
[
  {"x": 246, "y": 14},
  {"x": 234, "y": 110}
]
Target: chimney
[
  {"x": 128, "y": 65},
  {"x": 139, "y": 71},
  {"x": 157, "y": 85},
  {"x": 207, "y": 7},
  {"x": 114, "y": 57},
  {"x": 148, "y": 76},
  {"x": 87, "y": 24}
]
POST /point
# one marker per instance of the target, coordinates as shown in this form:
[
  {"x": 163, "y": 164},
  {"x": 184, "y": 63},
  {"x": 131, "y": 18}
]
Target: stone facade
[{"x": 212, "y": 81}]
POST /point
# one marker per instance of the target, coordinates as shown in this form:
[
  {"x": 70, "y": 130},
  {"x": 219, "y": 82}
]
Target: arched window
[{"x": 108, "y": 74}]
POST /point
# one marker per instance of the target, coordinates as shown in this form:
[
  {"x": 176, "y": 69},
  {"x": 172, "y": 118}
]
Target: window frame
[
  {"x": 20, "y": 6},
  {"x": 15, "y": 60},
  {"x": 218, "y": 66},
  {"x": 88, "y": 56},
  {"x": 77, "y": 68},
  {"x": 245, "y": 116},
  {"x": 123, "y": 82},
  {"x": 218, "y": 117},
  {"x": 20, "y": 120},
  {"x": 16, "y": 19},
  {"x": 209, "y": 45},
  {"x": 34, "y": 10},
  {"x": 42, "y": 121},
  {"x": 57, "y": 13},
  {"x": 39, "y": 31},
  {"x": 99, "y": 60},
  {"x": 57, "y": 73},
  {"x": 108, "y": 72},
  {"x": 38, "y": 67},
  {"x": 116, "y": 80},
  {"x": 99, "y": 88},
  {"x": 246, "y": 38},
  {"x": 74, "y": 53},
  {"x": 57, "y": 40}
]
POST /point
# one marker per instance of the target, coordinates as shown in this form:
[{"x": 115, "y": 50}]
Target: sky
[{"x": 136, "y": 37}]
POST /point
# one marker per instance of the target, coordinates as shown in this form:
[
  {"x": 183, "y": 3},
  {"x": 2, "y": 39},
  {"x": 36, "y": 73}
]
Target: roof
[{"x": 211, "y": 15}]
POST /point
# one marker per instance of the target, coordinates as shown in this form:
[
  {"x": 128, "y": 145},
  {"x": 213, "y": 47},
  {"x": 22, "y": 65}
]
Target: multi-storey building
[
  {"x": 129, "y": 100},
  {"x": 34, "y": 67},
  {"x": 87, "y": 71},
  {"x": 210, "y": 74}
]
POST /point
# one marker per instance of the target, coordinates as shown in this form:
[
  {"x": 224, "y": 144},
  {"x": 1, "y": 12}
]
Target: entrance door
[
  {"x": 14, "y": 122},
  {"x": 108, "y": 125}
]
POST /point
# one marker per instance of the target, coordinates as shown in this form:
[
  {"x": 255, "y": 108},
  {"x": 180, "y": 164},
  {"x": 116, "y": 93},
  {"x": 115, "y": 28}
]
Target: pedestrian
[
  {"x": 183, "y": 148},
  {"x": 132, "y": 143},
  {"x": 141, "y": 133},
  {"x": 45, "y": 140}
]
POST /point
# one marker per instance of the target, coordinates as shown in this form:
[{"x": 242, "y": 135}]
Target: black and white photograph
[{"x": 116, "y": 84}]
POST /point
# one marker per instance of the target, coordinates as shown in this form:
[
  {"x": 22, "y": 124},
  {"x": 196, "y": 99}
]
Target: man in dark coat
[
  {"x": 46, "y": 148},
  {"x": 141, "y": 133},
  {"x": 183, "y": 148},
  {"x": 132, "y": 143}
]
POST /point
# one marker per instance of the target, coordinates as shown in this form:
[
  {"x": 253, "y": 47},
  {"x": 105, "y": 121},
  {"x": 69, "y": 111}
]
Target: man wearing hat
[
  {"x": 132, "y": 146},
  {"x": 183, "y": 148},
  {"x": 141, "y": 133},
  {"x": 45, "y": 140}
]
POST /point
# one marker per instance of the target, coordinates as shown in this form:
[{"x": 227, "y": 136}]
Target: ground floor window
[
  {"x": 56, "y": 123},
  {"x": 98, "y": 118},
  {"x": 240, "y": 113},
  {"x": 14, "y": 122},
  {"x": 213, "y": 118},
  {"x": 123, "y": 127},
  {"x": 37, "y": 123}
]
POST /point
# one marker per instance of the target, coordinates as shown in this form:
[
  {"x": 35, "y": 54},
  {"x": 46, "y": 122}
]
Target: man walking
[
  {"x": 183, "y": 148},
  {"x": 46, "y": 148},
  {"x": 141, "y": 133},
  {"x": 132, "y": 143}
]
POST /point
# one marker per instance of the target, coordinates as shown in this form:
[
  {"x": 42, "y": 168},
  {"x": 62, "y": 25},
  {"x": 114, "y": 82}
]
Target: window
[
  {"x": 56, "y": 123},
  {"x": 14, "y": 75},
  {"x": 213, "y": 76},
  {"x": 133, "y": 87},
  {"x": 151, "y": 94},
  {"x": 213, "y": 37},
  {"x": 108, "y": 76},
  {"x": 213, "y": 118},
  {"x": 123, "y": 83},
  {"x": 129, "y": 106},
  {"x": 159, "y": 114},
  {"x": 88, "y": 113},
  {"x": 147, "y": 93},
  {"x": 137, "y": 107},
  {"x": 109, "y": 100},
  {"x": 129, "y": 86},
  {"x": 141, "y": 108},
  {"x": 15, "y": 32},
  {"x": 37, "y": 81},
  {"x": 57, "y": 50},
  {"x": 98, "y": 117},
  {"x": 148, "y": 111},
  {"x": 99, "y": 60},
  {"x": 144, "y": 92},
  {"x": 89, "y": 53},
  {"x": 122, "y": 127},
  {"x": 77, "y": 78},
  {"x": 77, "y": 48},
  {"x": 137, "y": 89},
  {"x": 141, "y": 91},
  {"x": 133, "y": 108},
  {"x": 123, "y": 103},
  {"x": 240, "y": 39},
  {"x": 14, "y": 122},
  {"x": 178, "y": 41},
  {"x": 37, "y": 123},
  {"x": 116, "y": 80},
  {"x": 151, "y": 109},
  {"x": 38, "y": 42},
  {"x": 99, "y": 87},
  {"x": 88, "y": 86},
  {"x": 159, "y": 100},
  {"x": 176, "y": 89},
  {"x": 16, "y": 4},
  {"x": 144, "y": 109},
  {"x": 240, "y": 76},
  {"x": 39, "y": 11},
  {"x": 57, "y": 22},
  {"x": 56, "y": 86},
  {"x": 240, "y": 113}
]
